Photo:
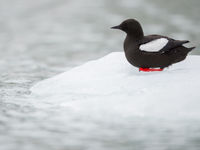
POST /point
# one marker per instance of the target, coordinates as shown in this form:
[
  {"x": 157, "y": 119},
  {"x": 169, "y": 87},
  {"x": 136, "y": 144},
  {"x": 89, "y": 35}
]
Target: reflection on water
[{"x": 39, "y": 39}]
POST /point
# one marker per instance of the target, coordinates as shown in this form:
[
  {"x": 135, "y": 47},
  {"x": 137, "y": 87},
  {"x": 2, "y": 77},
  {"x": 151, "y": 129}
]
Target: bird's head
[{"x": 131, "y": 27}]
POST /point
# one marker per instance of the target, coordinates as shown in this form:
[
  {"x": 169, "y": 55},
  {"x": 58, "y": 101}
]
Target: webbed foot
[{"x": 150, "y": 69}]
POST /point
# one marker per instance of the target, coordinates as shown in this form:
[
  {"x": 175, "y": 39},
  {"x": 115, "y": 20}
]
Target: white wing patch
[{"x": 154, "y": 45}]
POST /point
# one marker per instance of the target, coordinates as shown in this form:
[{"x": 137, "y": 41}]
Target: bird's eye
[{"x": 124, "y": 26}]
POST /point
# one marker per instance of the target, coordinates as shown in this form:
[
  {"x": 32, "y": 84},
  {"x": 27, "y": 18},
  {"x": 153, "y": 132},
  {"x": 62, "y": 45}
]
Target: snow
[
  {"x": 154, "y": 45},
  {"x": 111, "y": 86}
]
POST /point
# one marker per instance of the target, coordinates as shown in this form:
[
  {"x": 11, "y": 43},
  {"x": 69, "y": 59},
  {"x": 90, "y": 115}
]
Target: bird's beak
[{"x": 115, "y": 27}]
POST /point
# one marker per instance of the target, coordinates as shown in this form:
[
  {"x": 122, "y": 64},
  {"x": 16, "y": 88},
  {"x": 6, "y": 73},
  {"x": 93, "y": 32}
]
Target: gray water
[{"x": 39, "y": 39}]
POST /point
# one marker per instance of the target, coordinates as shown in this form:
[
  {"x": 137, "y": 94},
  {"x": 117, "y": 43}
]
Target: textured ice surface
[{"x": 110, "y": 85}]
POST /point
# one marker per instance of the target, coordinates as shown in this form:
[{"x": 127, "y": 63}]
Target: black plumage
[{"x": 172, "y": 51}]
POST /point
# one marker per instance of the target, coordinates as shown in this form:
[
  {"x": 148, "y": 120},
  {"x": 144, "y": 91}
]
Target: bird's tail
[
  {"x": 190, "y": 49},
  {"x": 180, "y": 54}
]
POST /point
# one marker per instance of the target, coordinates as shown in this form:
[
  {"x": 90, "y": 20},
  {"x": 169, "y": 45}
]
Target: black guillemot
[{"x": 152, "y": 52}]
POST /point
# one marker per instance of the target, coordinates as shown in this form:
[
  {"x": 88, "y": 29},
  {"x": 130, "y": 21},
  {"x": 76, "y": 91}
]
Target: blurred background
[{"x": 39, "y": 39}]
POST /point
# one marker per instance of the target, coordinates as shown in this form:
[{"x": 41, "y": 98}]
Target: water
[{"x": 39, "y": 39}]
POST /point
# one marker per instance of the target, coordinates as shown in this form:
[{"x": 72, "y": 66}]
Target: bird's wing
[{"x": 157, "y": 43}]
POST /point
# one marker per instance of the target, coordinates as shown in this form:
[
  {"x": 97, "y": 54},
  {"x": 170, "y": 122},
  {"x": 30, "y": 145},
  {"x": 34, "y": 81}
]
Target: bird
[{"x": 152, "y": 52}]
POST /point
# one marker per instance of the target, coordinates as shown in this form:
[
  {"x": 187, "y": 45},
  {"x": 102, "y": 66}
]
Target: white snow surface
[
  {"x": 110, "y": 85},
  {"x": 154, "y": 45}
]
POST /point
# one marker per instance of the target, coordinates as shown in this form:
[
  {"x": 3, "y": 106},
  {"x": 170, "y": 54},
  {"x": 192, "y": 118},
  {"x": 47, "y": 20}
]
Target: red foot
[{"x": 149, "y": 69}]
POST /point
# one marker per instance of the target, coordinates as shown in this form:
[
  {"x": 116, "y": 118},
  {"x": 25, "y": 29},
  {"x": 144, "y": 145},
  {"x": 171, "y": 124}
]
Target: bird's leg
[{"x": 150, "y": 69}]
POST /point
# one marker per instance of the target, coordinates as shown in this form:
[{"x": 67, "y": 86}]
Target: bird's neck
[
  {"x": 136, "y": 35},
  {"x": 132, "y": 41}
]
